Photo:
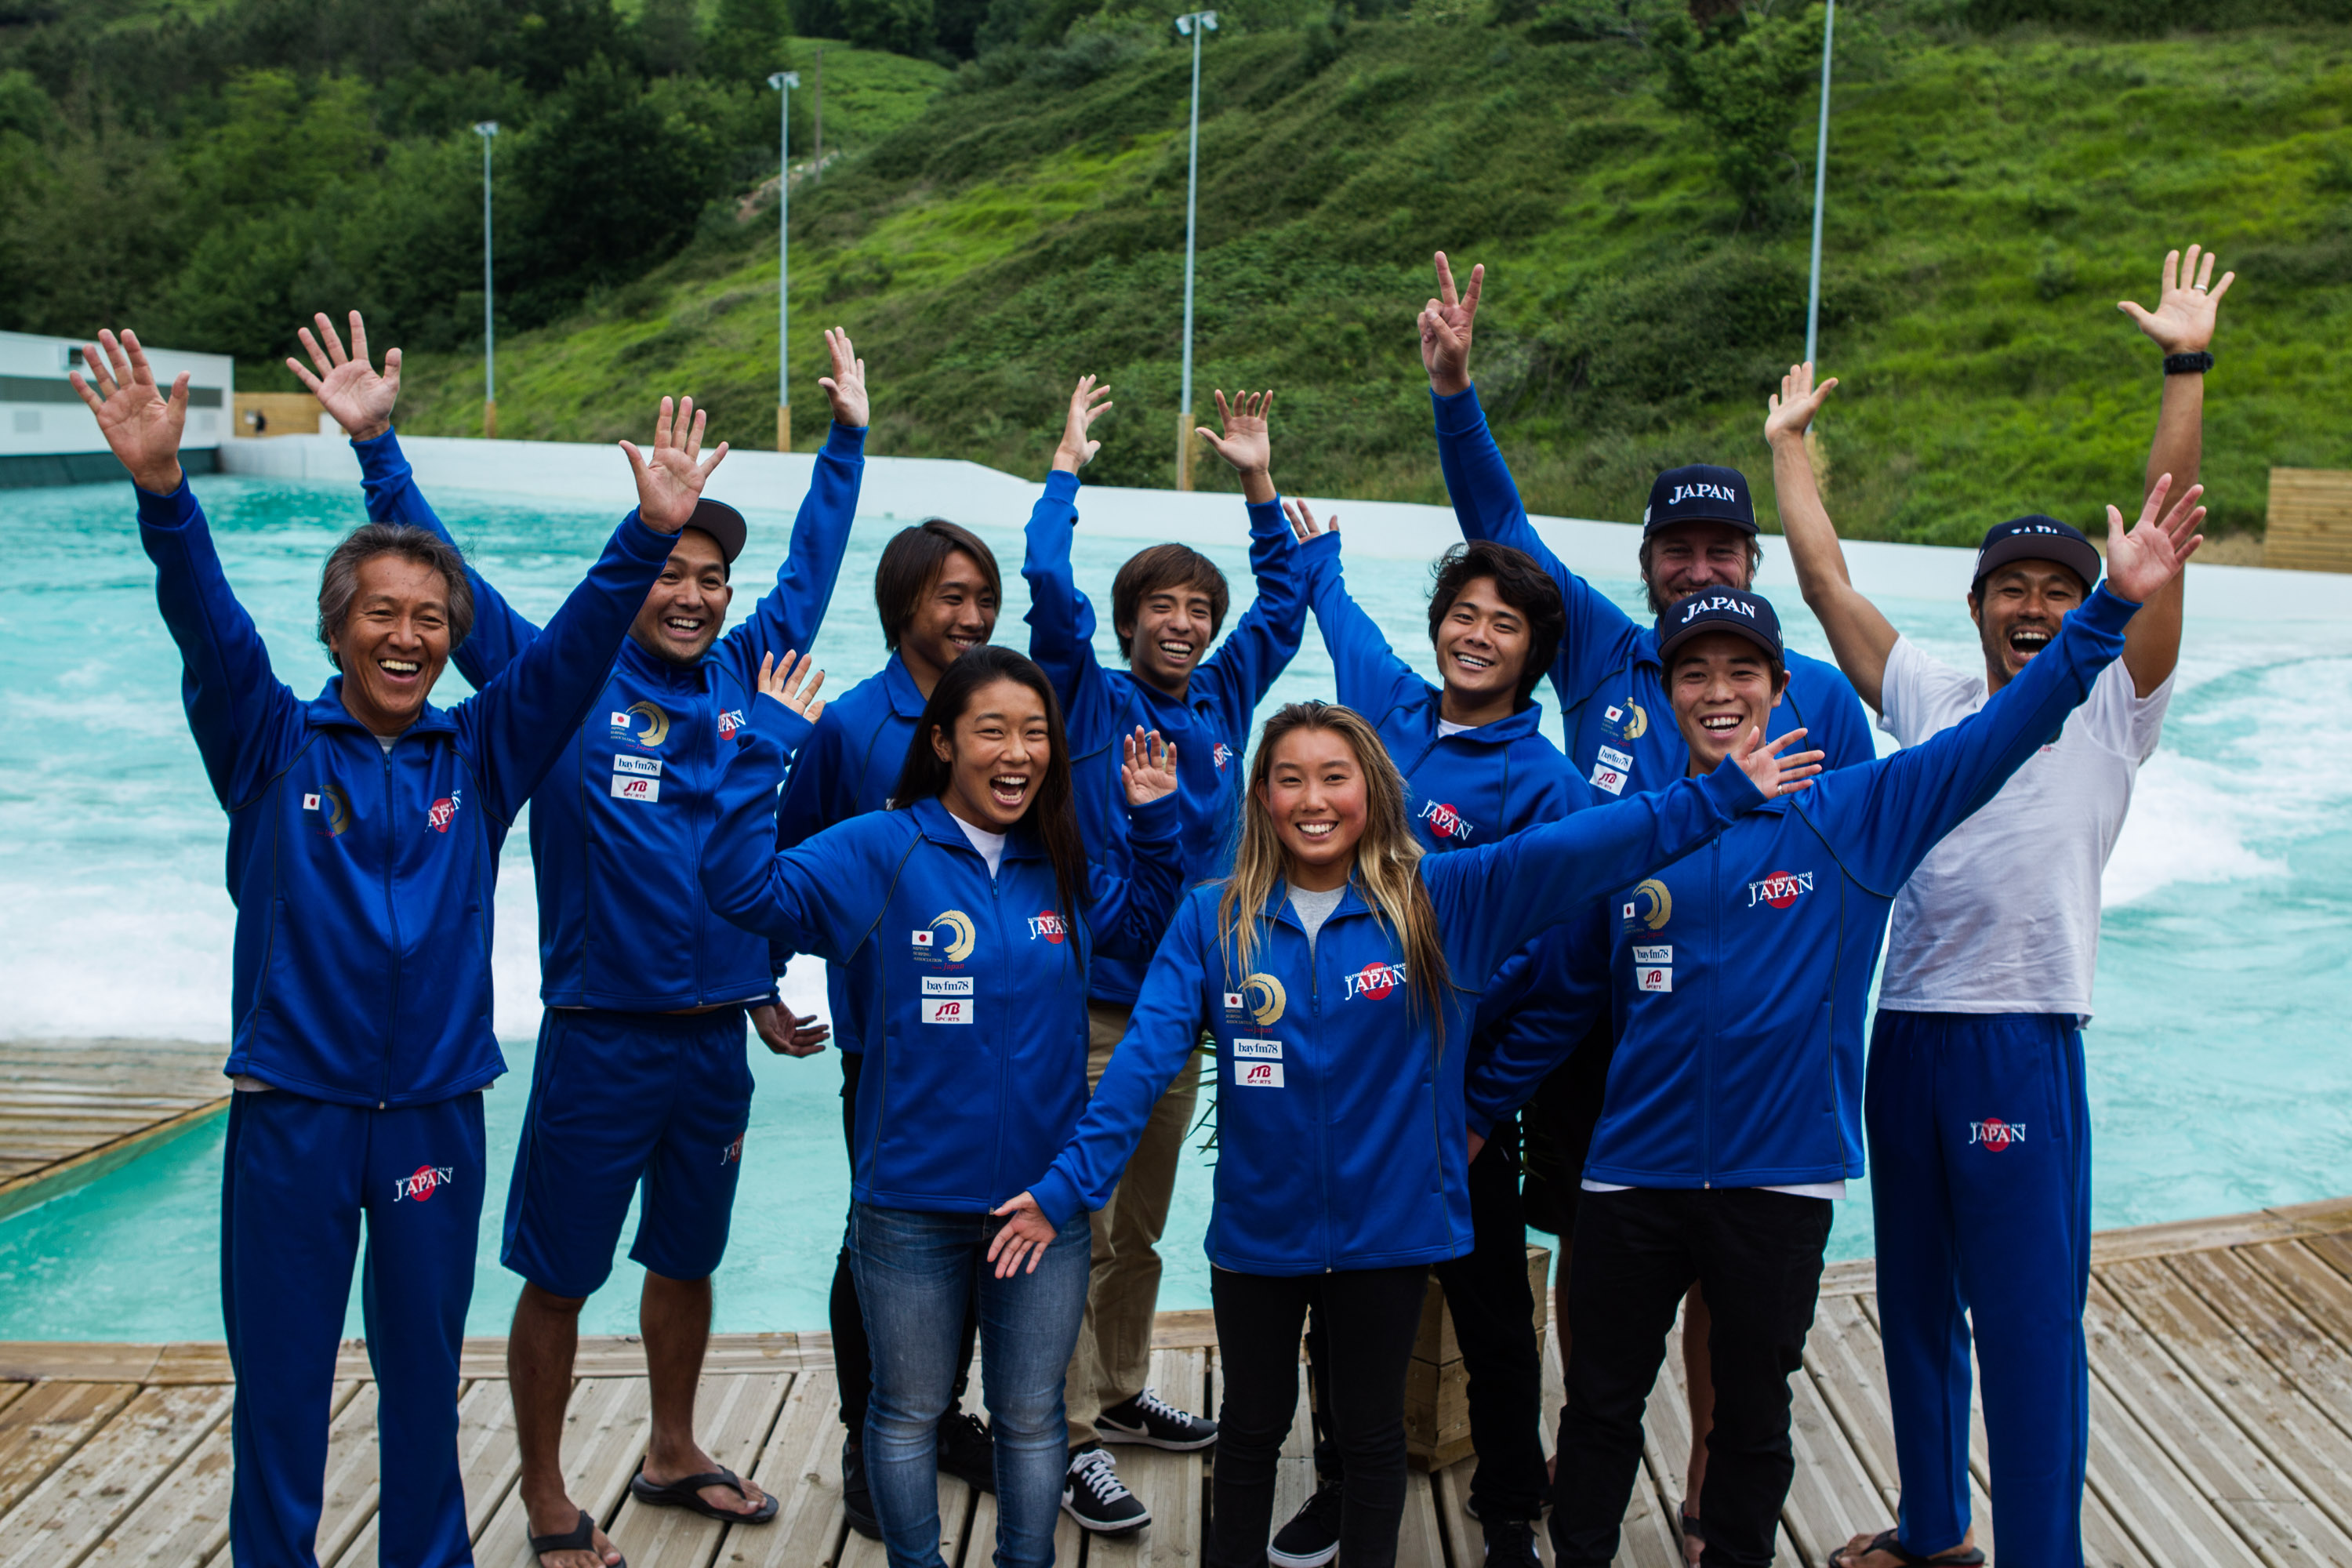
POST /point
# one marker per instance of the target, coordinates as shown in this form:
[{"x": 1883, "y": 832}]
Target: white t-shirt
[
  {"x": 1448, "y": 727},
  {"x": 2003, "y": 915},
  {"x": 990, "y": 844}
]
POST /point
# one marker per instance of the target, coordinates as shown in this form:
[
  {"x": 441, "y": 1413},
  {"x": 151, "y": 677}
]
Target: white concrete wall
[{"x": 50, "y": 426}]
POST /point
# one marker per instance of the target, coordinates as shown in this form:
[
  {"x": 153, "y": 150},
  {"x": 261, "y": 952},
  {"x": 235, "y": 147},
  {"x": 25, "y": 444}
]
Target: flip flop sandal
[
  {"x": 686, "y": 1493},
  {"x": 1691, "y": 1530},
  {"x": 582, "y": 1537},
  {"x": 1885, "y": 1541}
]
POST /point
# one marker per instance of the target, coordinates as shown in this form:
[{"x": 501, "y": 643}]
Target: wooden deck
[
  {"x": 2221, "y": 1399},
  {"x": 71, "y": 1110}
]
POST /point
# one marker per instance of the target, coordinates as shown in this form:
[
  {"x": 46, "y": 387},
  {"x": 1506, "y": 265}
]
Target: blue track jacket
[
  {"x": 362, "y": 878},
  {"x": 1620, "y": 725},
  {"x": 1340, "y": 1122},
  {"x": 617, "y": 828},
  {"x": 1461, "y": 790},
  {"x": 1741, "y": 974},
  {"x": 976, "y": 1057},
  {"x": 848, "y": 768},
  {"x": 1211, "y": 726}
]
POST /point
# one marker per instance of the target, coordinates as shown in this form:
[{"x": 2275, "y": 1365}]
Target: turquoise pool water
[{"x": 2220, "y": 1082}]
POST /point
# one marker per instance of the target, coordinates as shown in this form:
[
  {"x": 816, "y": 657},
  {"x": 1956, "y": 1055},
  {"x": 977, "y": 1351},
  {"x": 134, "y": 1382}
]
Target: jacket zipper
[
  {"x": 1322, "y": 1071},
  {"x": 1707, "y": 1040},
  {"x": 392, "y": 917}
]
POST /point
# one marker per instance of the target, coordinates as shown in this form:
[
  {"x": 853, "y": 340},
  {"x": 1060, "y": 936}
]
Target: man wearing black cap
[
  {"x": 640, "y": 1080},
  {"x": 1740, "y": 974},
  {"x": 1979, "y": 1127}
]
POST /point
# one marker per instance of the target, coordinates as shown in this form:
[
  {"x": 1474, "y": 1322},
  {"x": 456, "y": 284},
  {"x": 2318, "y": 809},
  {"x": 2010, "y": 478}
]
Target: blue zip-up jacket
[
  {"x": 362, "y": 878},
  {"x": 618, "y": 826},
  {"x": 1741, "y": 974},
  {"x": 1341, "y": 1141},
  {"x": 848, "y": 768},
  {"x": 976, "y": 1055},
  {"x": 1620, "y": 725},
  {"x": 1211, "y": 724},
  {"x": 1461, "y": 790}
]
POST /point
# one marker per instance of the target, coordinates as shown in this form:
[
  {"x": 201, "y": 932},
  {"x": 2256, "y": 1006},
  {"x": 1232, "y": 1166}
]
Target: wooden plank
[
  {"x": 2188, "y": 1235},
  {"x": 41, "y": 1428},
  {"x": 2328, "y": 1214},
  {"x": 956, "y": 1503},
  {"x": 604, "y": 1431},
  {"x": 1667, "y": 1445},
  {"x": 2319, "y": 1285},
  {"x": 1418, "y": 1543},
  {"x": 61, "y": 1521},
  {"x": 800, "y": 1463},
  {"x": 979, "y": 1542},
  {"x": 1179, "y": 1329},
  {"x": 733, "y": 1414},
  {"x": 33, "y": 1361},
  {"x": 1294, "y": 1470},
  {"x": 1169, "y": 1484},
  {"x": 488, "y": 1463}
]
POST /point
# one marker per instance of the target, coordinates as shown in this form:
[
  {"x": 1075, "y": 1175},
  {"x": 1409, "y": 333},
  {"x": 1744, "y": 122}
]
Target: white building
[{"x": 49, "y": 438}]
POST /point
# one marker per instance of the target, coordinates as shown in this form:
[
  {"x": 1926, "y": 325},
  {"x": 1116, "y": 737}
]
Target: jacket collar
[
  {"x": 1527, "y": 720},
  {"x": 326, "y": 711},
  {"x": 655, "y": 670},
  {"x": 1276, "y": 906},
  {"x": 899, "y": 685},
  {"x": 939, "y": 825}
]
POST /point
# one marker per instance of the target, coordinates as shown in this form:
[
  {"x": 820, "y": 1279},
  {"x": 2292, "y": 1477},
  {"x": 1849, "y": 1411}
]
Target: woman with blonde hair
[{"x": 1343, "y": 1161}]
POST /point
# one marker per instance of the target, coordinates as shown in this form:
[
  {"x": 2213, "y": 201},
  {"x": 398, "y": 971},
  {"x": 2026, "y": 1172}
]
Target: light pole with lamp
[
  {"x": 784, "y": 82},
  {"x": 485, "y": 130},
  {"x": 1192, "y": 24}
]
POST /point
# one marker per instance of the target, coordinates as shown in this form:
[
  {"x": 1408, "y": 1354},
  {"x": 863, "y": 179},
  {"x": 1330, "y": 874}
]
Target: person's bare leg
[
  {"x": 1698, "y": 1378},
  {"x": 540, "y": 1347},
  {"x": 674, "y": 1316}
]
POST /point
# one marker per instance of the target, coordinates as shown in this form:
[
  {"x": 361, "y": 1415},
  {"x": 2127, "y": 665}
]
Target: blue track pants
[
  {"x": 299, "y": 1175},
  {"x": 1981, "y": 1193}
]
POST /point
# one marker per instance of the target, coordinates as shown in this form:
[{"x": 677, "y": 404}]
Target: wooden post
[
  {"x": 1183, "y": 449},
  {"x": 783, "y": 427},
  {"x": 817, "y": 108},
  {"x": 489, "y": 418}
]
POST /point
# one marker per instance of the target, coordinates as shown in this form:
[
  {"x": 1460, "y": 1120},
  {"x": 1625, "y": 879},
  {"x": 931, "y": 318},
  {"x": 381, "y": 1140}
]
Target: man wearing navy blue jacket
[
  {"x": 364, "y": 829},
  {"x": 1733, "y": 1114},
  {"x": 1168, "y": 605},
  {"x": 640, "y": 1079}
]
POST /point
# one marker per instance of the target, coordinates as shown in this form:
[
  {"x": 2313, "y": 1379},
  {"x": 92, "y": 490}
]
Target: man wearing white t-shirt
[{"x": 1978, "y": 1120}]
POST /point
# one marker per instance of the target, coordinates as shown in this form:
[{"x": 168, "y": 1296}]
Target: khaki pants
[{"x": 1113, "y": 1359}]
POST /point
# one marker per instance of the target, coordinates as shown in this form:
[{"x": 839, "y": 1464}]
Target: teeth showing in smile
[
  {"x": 1178, "y": 651},
  {"x": 2028, "y": 639},
  {"x": 398, "y": 665},
  {"x": 1719, "y": 723},
  {"x": 1315, "y": 829},
  {"x": 1472, "y": 662},
  {"x": 1009, "y": 784},
  {"x": 686, "y": 623}
]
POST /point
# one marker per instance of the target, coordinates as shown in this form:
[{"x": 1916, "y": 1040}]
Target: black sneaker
[
  {"x": 1148, "y": 1419},
  {"x": 966, "y": 1450},
  {"x": 856, "y": 1500},
  {"x": 1092, "y": 1494},
  {"x": 1311, "y": 1539},
  {"x": 1510, "y": 1544}
]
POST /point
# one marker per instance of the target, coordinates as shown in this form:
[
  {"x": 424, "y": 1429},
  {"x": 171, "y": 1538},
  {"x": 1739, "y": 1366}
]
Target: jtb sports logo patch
[
  {"x": 1375, "y": 981},
  {"x": 1258, "y": 1075},
  {"x": 1779, "y": 888},
  {"x": 1996, "y": 1135},
  {"x": 424, "y": 1183}
]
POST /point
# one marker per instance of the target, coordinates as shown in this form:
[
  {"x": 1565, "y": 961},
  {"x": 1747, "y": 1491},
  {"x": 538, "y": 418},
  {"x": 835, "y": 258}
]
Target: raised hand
[
  {"x": 1026, "y": 1233},
  {"x": 1788, "y": 413},
  {"x": 792, "y": 684},
  {"x": 139, "y": 423},
  {"x": 787, "y": 1036},
  {"x": 1148, "y": 771},
  {"x": 669, "y": 482},
  {"x": 1303, "y": 526},
  {"x": 2182, "y": 321},
  {"x": 2152, "y": 554},
  {"x": 1771, "y": 772},
  {"x": 346, "y": 385},
  {"x": 1445, "y": 327},
  {"x": 1243, "y": 441},
  {"x": 1085, "y": 407},
  {"x": 846, "y": 387}
]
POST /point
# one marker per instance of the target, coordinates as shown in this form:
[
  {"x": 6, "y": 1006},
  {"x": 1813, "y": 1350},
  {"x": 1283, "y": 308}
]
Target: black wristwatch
[{"x": 2187, "y": 364}]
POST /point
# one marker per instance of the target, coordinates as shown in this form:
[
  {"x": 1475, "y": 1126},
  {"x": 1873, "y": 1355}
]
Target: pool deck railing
[{"x": 2221, "y": 1399}]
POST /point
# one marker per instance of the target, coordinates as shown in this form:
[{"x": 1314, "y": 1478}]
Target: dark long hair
[{"x": 1052, "y": 814}]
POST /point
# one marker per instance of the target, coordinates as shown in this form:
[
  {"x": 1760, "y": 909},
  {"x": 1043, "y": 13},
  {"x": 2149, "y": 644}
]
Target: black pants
[
  {"x": 1758, "y": 1257},
  {"x": 852, "y": 1359},
  {"x": 1368, "y": 1317},
  {"x": 1559, "y": 1122},
  {"x": 1487, "y": 1290}
]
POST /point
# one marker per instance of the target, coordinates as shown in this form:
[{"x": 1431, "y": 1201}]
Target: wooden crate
[
  {"x": 282, "y": 413},
  {"x": 1437, "y": 1386},
  {"x": 2310, "y": 526}
]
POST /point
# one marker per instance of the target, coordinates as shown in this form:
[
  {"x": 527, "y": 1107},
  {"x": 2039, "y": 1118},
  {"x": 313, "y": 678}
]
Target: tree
[
  {"x": 902, "y": 27},
  {"x": 1745, "y": 81}
]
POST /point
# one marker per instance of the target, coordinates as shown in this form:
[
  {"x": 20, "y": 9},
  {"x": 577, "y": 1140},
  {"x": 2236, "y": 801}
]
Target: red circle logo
[
  {"x": 1375, "y": 981},
  {"x": 423, "y": 1185},
  {"x": 1048, "y": 924},
  {"x": 1780, "y": 890},
  {"x": 1995, "y": 1136}
]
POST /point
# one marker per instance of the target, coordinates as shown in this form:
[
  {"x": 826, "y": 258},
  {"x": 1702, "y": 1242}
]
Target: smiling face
[
  {"x": 956, "y": 614},
  {"x": 393, "y": 642},
  {"x": 1315, "y": 792},
  {"x": 1481, "y": 650},
  {"x": 1170, "y": 636},
  {"x": 2017, "y": 609},
  {"x": 1722, "y": 687},
  {"x": 1683, "y": 559},
  {"x": 996, "y": 759},
  {"x": 687, "y": 604}
]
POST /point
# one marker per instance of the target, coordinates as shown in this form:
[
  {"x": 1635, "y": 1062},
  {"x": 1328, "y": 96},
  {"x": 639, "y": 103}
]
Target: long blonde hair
[{"x": 1388, "y": 857}]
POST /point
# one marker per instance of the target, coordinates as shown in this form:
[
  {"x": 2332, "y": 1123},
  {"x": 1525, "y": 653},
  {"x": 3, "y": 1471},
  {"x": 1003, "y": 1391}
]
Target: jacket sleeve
[
  {"x": 243, "y": 718},
  {"x": 1487, "y": 504},
  {"x": 499, "y": 632},
  {"x": 1061, "y": 621},
  {"x": 820, "y": 897},
  {"x": 1543, "y": 1001},
  {"x": 1887, "y": 814},
  {"x": 519, "y": 723},
  {"x": 1161, "y": 1034},
  {"x": 1492, "y": 901},
  {"x": 1834, "y": 721},
  {"x": 1265, "y": 639},
  {"x": 1365, "y": 670},
  {"x": 1129, "y": 914},
  {"x": 788, "y": 614}
]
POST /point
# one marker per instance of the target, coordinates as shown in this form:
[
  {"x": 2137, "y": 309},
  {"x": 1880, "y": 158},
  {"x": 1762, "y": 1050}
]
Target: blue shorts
[{"x": 619, "y": 1099}]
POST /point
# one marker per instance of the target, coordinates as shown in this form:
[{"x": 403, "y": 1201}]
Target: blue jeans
[{"x": 916, "y": 1274}]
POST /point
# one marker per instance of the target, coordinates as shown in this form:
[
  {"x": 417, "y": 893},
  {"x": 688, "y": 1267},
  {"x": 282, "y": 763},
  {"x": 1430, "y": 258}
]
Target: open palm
[
  {"x": 669, "y": 479},
  {"x": 142, "y": 426},
  {"x": 1244, "y": 442},
  {"x": 1148, "y": 771},
  {"x": 346, "y": 385},
  {"x": 2144, "y": 560},
  {"x": 2182, "y": 321}
]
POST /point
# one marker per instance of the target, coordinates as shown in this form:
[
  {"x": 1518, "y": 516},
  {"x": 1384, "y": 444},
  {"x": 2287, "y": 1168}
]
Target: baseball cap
[
  {"x": 2037, "y": 538},
  {"x": 1698, "y": 492},
  {"x": 723, "y": 523},
  {"x": 1734, "y": 610}
]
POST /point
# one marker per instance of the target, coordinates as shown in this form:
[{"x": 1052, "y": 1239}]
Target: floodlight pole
[
  {"x": 485, "y": 130},
  {"x": 1192, "y": 24},
  {"x": 1821, "y": 184},
  {"x": 784, "y": 82}
]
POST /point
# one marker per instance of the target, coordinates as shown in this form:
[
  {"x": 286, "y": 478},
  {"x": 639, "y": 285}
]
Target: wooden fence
[{"x": 2310, "y": 527}]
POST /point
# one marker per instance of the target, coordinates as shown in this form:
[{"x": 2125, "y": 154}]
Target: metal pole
[
  {"x": 784, "y": 82},
  {"x": 485, "y": 130},
  {"x": 1820, "y": 179},
  {"x": 1195, "y": 23}
]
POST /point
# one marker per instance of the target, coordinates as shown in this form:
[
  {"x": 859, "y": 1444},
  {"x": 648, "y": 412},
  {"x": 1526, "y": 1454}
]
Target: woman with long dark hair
[
  {"x": 1338, "y": 967},
  {"x": 981, "y": 914}
]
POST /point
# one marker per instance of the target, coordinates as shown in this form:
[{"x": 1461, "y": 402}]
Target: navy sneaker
[
  {"x": 1311, "y": 1539},
  {"x": 857, "y": 1498},
  {"x": 1510, "y": 1544},
  {"x": 1147, "y": 1418},
  {"x": 1092, "y": 1494},
  {"x": 966, "y": 1450}
]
